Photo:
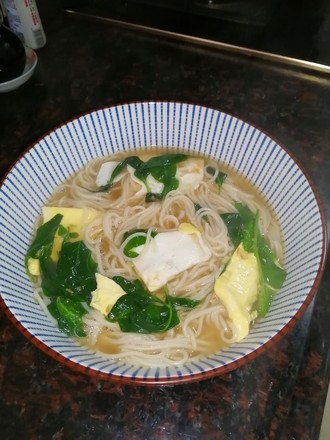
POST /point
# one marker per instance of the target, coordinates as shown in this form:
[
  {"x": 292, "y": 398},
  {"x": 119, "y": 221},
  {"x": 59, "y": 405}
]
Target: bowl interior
[{"x": 194, "y": 129}]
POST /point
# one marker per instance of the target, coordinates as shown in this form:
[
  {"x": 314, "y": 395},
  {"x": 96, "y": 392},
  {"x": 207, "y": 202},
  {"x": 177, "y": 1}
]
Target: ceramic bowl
[
  {"x": 30, "y": 65},
  {"x": 271, "y": 168}
]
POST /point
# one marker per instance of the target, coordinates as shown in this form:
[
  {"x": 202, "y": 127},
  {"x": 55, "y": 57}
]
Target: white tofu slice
[
  {"x": 106, "y": 294},
  {"x": 105, "y": 172},
  {"x": 167, "y": 255}
]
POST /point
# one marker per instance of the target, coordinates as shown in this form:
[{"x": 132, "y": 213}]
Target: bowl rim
[
  {"x": 222, "y": 369},
  {"x": 31, "y": 61}
]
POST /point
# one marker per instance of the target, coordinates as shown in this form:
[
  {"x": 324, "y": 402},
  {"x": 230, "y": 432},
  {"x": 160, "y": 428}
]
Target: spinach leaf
[
  {"x": 67, "y": 282},
  {"x": 73, "y": 274},
  {"x": 155, "y": 318},
  {"x": 240, "y": 226},
  {"x": 128, "y": 286},
  {"x": 144, "y": 314},
  {"x": 141, "y": 312},
  {"x": 184, "y": 302},
  {"x": 166, "y": 175},
  {"x": 66, "y": 234},
  {"x": 164, "y": 160},
  {"x": 249, "y": 241},
  {"x": 76, "y": 270},
  {"x": 69, "y": 313},
  {"x": 234, "y": 224},
  {"x": 162, "y": 168},
  {"x": 43, "y": 240},
  {"x": 243, "y": 228},
  {"x": 152, "y": 197},
  {"x": 49, "y": 282},
  {"x": 136, "y": 241},
  {"x": 221, "y": 177},
  {"x": 272, "y": 276},
  {"x": 134, "y": 161}
]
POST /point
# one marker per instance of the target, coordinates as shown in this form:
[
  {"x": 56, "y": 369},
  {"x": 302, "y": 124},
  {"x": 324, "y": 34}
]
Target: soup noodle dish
[{"x": 158, "y": 243}]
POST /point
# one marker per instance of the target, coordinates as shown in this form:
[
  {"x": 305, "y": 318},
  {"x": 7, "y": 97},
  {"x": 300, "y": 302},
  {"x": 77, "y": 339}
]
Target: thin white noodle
[
  {"x": 37, "y": 295},
  {"x": 121, "y": 210}
]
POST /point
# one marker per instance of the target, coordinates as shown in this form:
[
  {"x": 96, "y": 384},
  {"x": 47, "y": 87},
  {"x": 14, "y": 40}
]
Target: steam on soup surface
[{"x": 156, "y": 258}]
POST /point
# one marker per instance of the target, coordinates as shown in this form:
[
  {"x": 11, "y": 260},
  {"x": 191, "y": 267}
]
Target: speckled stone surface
[{"x": 279, "y": 395}]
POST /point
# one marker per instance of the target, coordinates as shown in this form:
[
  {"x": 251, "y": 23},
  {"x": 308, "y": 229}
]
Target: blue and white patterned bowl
[{"x": 257, "y": 157}]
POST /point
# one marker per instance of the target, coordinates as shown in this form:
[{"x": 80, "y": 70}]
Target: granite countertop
[{"x": 279, "y": 395}]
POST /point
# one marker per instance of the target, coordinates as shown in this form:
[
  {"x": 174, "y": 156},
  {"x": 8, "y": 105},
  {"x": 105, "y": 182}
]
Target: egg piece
[
  {"x": 106, "y": 294},
  {"x": 34, "y": 266},
  {"x": 188, "y": 228},
  {"x": 237, "y": 288},
  {"x": 74, "y": 219},
  {"x": 190, "y": 173},
  {"x": 105, "y": 173},
  {"x": 167, "y": 255}
]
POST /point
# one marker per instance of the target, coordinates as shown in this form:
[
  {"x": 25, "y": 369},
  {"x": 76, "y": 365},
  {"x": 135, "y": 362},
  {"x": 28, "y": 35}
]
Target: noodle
[{"x": 202, "y": 330}]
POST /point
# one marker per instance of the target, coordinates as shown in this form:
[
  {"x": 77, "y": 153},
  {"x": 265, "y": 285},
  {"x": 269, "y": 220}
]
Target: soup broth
[{"x": 193, "y": 208}]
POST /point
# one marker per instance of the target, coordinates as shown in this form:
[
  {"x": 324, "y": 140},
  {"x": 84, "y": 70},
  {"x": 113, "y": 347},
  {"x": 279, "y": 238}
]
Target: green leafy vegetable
[
  {"x": 136, "y": 241},
  {"x": 66, "y": 234},
  {"x": 128, "y": 286},
  {"x": 162, "y": 168},
  {"x": 221, "y": 177},
  {"x": 184, "y": 302},
  {"x": 73, "y": 274},
  {"x": 152, "y": 197},
  {"x": 166, "y": 176},
  {"x": 69, "y": 313},
  {"x": 243, "y": 228},
  {"x": 133, "y": 161},
  {"x": 67, "y": 282},
  {"x": 76, "y": 269},
  {"x": 272, "y": 276},
  {"x": 249, "y": 228},
  {"x": 164, "y": 160},
  {"x": 43, "y": 240},
  {"x": 234, "y": 224},
  {"x": 141, "y": 312}
]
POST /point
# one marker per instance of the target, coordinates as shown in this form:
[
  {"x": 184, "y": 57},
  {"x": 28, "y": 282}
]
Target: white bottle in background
[{"x": 23, "y": 19}]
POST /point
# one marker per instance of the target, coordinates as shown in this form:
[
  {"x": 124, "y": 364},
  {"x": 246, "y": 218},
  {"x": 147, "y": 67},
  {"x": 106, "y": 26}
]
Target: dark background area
[{"x": 293, "y": 28}]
